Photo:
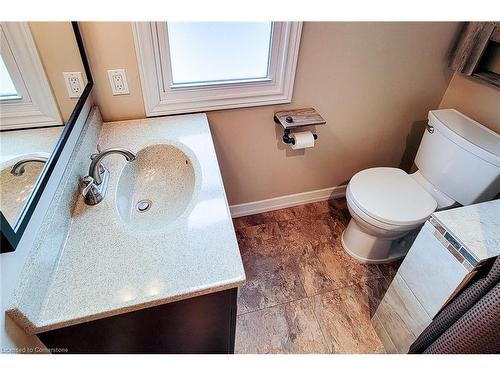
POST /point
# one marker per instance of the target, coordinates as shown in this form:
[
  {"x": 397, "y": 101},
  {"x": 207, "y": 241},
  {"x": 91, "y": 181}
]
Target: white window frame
[
  {"x": 35, "y": 106},
  {"x": 163, "y": 97}
]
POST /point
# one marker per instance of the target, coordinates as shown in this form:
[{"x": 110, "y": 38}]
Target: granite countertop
[
  {"x": 107, "y": 268},
  {"x": 477, "y": 226}
]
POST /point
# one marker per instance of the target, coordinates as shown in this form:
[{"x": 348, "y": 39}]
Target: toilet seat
[
  {"x": 389, "y": 198},
  {"x": 371, "y": 221}
]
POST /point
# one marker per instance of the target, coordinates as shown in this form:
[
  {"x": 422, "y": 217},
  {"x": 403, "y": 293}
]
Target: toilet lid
[{"x": 391, "y": 196}]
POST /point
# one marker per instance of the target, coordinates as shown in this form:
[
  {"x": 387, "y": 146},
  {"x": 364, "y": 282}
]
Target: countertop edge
[{"x": 33, "y": 329}]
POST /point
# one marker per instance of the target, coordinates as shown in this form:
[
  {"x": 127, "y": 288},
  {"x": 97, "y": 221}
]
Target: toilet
[{"x": 458, "y": 162}]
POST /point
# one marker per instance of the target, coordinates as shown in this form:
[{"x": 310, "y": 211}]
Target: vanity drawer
[{"x": 198, "y": 325}]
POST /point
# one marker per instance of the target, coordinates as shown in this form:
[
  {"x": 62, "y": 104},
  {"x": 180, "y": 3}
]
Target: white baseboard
[{"x": 285, "y": 201}]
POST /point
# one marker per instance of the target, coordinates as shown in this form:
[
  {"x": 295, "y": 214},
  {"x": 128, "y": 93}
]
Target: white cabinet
[
  {"x": 447, "y": 252},
  {"x": 434, "y": 270},
  {"x": 431, "y": 272}
]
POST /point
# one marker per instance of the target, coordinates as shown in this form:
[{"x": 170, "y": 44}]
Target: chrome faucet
[
  {"x": 18, "y": 168},
  {"x": 94, "y": 185}
]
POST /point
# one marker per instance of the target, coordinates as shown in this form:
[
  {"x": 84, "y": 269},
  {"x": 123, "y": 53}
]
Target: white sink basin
[{"x": 156, "y": 188}]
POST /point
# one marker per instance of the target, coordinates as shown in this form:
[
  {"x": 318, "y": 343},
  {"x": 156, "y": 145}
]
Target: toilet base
[{"x": 369, "y": 249}]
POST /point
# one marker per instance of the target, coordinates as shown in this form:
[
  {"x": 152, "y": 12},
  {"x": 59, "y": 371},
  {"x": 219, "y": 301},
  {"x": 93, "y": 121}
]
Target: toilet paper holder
[
  {"x": 287, "y": 139},
  {"x": 295, "y": 118}
]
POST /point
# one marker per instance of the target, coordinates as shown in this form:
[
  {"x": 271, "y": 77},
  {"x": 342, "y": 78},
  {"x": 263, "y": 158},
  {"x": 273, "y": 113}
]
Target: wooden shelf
[
  {"x": 295, "y": 118},
  {"x": 488, "y": 76}
]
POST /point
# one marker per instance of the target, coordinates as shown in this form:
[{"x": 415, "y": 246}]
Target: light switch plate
[
  {"x": 118, "y": 81},
  {"x": 74, "y": 83}
]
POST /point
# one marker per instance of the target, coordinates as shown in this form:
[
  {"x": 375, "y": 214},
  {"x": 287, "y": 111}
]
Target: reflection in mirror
[{"x": 41, "y": 78}]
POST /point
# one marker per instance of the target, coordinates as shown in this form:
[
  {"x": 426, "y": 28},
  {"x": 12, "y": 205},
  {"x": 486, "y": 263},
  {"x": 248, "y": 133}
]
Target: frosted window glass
[
  {"x": 7, "y": 87},
  {"x": 219, "y": 51}
]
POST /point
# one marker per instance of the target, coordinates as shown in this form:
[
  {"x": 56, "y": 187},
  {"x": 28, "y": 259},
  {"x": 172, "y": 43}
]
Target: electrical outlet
[
  {"x": 118, "y": 81},
  {"x": 74, "y": 83}
]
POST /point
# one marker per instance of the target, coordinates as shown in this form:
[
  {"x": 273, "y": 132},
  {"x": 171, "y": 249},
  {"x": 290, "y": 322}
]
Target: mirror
[{"x": 44, "y": 82}]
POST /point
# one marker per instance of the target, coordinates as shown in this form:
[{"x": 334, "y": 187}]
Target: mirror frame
[{"x": 10, "y": 237}]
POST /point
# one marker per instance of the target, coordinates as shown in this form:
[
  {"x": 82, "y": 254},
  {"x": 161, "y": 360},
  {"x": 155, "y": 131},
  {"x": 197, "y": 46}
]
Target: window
[
  {"x": 7, "y": 88},
  {"x": 26, "y": 98},
  {"x": 201, "y": 66},
  {"x": 211, "y": 52}
]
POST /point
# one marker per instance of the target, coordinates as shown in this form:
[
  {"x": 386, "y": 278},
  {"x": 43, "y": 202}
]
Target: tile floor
[{"x": 304, "y": 294}]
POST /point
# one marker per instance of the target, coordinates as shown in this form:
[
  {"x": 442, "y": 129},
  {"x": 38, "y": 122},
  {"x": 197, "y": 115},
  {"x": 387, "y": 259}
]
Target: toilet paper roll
[{"x": 302, "y": 140}]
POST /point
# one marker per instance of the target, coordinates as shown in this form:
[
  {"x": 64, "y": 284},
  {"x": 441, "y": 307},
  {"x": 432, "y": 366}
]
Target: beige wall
[
  {"x": 59, "y": 53},
  {"x": 110, "y": 45},
  {"x": 371, "y": 82},
  {"x": 475, "y": 99}
]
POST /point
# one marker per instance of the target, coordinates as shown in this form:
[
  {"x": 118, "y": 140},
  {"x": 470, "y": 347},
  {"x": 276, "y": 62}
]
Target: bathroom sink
[
  {"x": 112, "y": 258},
  {"x": 156, "y": 188}
]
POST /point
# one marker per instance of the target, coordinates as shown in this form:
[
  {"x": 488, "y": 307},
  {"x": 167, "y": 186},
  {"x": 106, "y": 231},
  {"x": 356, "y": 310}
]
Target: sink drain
[{"x": 143, "y": 205}]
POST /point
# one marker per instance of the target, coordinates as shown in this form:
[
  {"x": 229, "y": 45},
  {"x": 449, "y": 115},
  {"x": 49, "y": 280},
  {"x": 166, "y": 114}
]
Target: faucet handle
[{"x": 87, "y": 183}]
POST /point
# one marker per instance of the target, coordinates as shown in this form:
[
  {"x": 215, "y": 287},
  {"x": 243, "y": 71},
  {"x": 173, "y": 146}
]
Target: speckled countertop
[
  {"x": 108, "y": 267},
  {"x": 477, "y": 226}
]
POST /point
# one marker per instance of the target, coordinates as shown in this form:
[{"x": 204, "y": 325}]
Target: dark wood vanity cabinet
[
  {"x": 204, "y": 324},
  {"x": 477, "y": 52}
]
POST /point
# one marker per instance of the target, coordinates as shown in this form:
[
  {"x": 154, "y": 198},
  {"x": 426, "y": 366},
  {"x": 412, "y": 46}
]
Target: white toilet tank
[{"x": 461, "y": 157}]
